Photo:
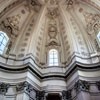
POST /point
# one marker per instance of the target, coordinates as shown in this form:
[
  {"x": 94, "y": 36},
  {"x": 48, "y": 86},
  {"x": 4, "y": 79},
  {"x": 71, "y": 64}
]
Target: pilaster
[
  {"x": 25, "y": 91},
  {"x": 3, "y": 90},
  {"x": 82, "y": 90}
]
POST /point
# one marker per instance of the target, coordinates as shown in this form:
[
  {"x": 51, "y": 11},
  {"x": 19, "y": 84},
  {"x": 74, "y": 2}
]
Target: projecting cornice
[{"x": 42, "y": 73}]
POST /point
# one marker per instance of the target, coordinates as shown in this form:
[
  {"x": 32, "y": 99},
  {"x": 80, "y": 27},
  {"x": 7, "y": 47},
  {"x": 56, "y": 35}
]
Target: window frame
[
  {"x": 98, "y": 38},
  {"x": 53, "y": 58},
  {"x": 4, "y": 39}
]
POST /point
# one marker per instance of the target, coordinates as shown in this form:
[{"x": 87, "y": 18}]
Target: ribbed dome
[
  {"x": 35, "y": 27},
  {"x": 49, "y": 49}
]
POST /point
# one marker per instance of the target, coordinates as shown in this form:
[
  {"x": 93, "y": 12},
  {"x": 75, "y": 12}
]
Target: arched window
[
  {"x": 53, "y": 57},
  {"x": 98, "y": 39},
  {"x": 3, "y": 41}
]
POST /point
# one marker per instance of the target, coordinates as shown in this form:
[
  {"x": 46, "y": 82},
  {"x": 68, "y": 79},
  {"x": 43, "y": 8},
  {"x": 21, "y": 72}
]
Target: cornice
[{"x": 75, "y": 67}]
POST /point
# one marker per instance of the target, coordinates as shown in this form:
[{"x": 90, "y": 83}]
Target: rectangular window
[{"x": 53, "y": 57}]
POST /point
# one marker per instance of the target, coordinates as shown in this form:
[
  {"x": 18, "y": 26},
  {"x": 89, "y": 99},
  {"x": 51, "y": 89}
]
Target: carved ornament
[
  {"x": 52, "y": 31},
  {"x": 53, "y": 12},
  {"x": 40, "y": 95},
  {"x": 24, "y": 86},
  {"x": 93, "y": 22},
  {"x": 14, "y": 21},
  {"x": 81, "y": 86},
  {"x": 98, "y": 85},
  {"x": 66, "y": 95},
  {"x": 4, "y": 88},
  {"x": 69, "y": 3}
]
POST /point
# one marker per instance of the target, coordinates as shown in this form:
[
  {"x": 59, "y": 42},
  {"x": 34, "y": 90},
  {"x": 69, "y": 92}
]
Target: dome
[{"x": 51, "y": 47}]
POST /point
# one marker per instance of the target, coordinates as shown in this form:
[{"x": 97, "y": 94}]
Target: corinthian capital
[
  {"x": 81, "y": 86},
  {"x": 4, "y": 88}
]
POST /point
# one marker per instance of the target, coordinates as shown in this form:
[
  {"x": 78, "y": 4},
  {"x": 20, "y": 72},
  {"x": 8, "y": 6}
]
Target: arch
[
  {"x": 3, "y": 41},
  {"x": 53, "y": 57}
]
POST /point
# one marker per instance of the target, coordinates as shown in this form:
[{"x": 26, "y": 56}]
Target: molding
[
  {"x": 65, "y": 75},
  {"x": 38, "y": 71},
  {"x": 32, "y": 58}
]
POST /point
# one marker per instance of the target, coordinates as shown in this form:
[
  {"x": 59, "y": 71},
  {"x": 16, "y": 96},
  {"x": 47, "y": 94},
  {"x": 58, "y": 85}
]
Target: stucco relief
[
  {"x": 14, "y": 21},
  {"x": 93, "y": 26},
  {"x": 69, "y": 4},
  {"x": 82, "y": 85},
  {"x": 4, "y": 88},
  {"x": 52, "y": 12},
  {"x": 52, "y": 16},
  {"x": 93, "y": 22}
]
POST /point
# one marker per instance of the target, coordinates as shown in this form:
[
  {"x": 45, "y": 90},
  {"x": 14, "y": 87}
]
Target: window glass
[
  {"x": 98, "y": 36},
  {"x": 3, "y": 41},
  {"x": 53, "y": 57}
]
